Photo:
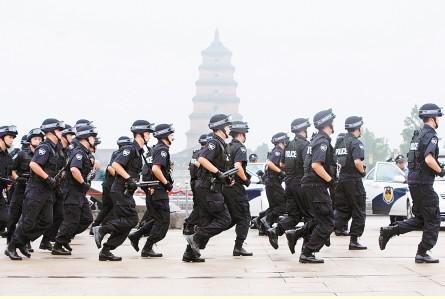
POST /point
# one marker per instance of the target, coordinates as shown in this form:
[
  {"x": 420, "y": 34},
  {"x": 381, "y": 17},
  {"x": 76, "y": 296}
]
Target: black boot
[
  {"x": 91, "y": 229},
  {"x": 67, "y": 247},
  {"x": 259, "y": 226},
  {"x": 424, "y": 258},
  {"x": 355, "y": 245},
  {"x": 387, "y": 233},
  {"x": 29, "y": 247},
  {"x": 45, "y": 244},
  {"x": 341, "y": 233},
  {"x": 308, "y": 257},
  {"x": 265, "y": 224},
  {"x": 23, "y": 250},
  {"x": 11, "y": 252},
  {"x": 106, "y": 255},
  {"x": 59, "y": 250},
  {"x": 98, "y": 236},
  {"x": 134, "y": 239},
  {"x": 190, "y": 257},
  {"x": 238, "y": 250},
  {"x": 273, "y": 237},
  {"x": 148, "y": 251},
  {"x": 194, "y": 244},
  {"x": 292, "y": 237}
]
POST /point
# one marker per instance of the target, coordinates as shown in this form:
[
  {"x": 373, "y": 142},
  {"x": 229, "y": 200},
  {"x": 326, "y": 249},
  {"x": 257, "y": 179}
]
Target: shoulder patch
[
  {"x": 212, "y": 146},
  {"x": 126, "y": 152},
  {"x": 243, "y": 149},
  {"x": 163, "y": 154},
  {"x": 323, "y": 147},
  {"x": 361, "y": 146},
  {"x": 42, "y": 151},
  {"x": 277, "y": 153},
  {"x": 434, "y": 140},
  {"x": 79, "y": 157},
  {"x": 15, "y": 156}
]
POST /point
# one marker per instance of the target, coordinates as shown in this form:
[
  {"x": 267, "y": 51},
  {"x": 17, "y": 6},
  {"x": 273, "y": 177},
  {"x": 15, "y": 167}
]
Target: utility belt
[{"x": 207, "y": 183}]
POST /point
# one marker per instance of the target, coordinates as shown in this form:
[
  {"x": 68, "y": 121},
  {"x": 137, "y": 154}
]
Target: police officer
[
  {"x": 339, "y": 142},
  {"x": 423, "y": 167},
  {"x": 193, "y": 218},
  {"x": 253, "y": 158},
  {"x": 21, "y": 173},
  {"x": 107, "y": 204},
  {"x": 318, "y": 176},
  {"x": 64, "y": 147},
  {"x": 7, "y": 136},
  {"x": 77, "y": 212},
  {"x": 157, "y": 198},
  {"x": 128, "y": 166},
  {"x": 297, "y": 208},
  {"x": 350, "y": 195},
  {"x": 400, "y": 161},
  {"x": 235, "y": 194},
  {"x": 37, "y": 213},
  {"x": 214, "y": 215},
  {"x": 273, "y": 179}
]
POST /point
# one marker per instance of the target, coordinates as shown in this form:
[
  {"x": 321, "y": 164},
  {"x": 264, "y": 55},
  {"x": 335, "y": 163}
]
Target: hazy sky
[{"x": 117, "y": 61}]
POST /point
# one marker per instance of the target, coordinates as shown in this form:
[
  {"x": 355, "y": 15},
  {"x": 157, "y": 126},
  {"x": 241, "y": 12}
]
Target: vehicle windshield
[
  {"x": 386, "y": 172},
  {"x": 254, "y": 167}
]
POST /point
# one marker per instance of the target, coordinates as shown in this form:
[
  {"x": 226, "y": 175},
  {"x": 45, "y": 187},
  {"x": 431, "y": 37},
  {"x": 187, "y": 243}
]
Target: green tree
[
  {"x": 376, "y": 148},
  {"x": 411, "y": 123}
]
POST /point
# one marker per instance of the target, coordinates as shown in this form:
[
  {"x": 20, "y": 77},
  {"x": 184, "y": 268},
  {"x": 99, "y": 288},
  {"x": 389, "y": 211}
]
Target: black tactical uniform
[
  {"x": 5, "y": 172},
  {"x": 273, "y": 180},
  {"x": 37, "y": 213},
  {"x": 235, "y": 195},
  {"x": 350, "y": 193},
  {"x": 77, "y": 212},
  {"x": 420, "y": 181},
  {"x": 298, "y": 208},
  {"x": 213, "y": 212}
]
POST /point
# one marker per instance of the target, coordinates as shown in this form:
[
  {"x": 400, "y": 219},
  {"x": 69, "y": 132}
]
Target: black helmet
[
  {"x": 163, "y": 130},
  {"x": 280, "y": 137},
  {"x": 219, "y": 121},
  {"x": 253, "y": 157},
  {"x": 142, "y": 126},
  {"x": 35, "y": 133},
  {"x": 52, "y": 124},
  {"x": 68, "y": 130},
  {"x": 124, "y": 140},
  {"x": 430, "y": 110},
  {"x": 400, "y": 158},
  {"x": 323, "y": 118},
  {"x": 203, "y": 139},
  {"x": 82, "y": 122},
  {"x": 85, "y": 131},
  {"x": 239, "y": 127},
  {"x": 353, "y": 122},
  {"x": 299, "y": 124},
  {"x": 8, "y": 131},
  {"x": 24, "y": 140}
]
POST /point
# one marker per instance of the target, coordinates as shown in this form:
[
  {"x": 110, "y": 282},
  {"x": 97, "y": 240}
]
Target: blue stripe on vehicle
[
  {"x": 253, "y": 193},
  {"x": 381, "y": 207}
]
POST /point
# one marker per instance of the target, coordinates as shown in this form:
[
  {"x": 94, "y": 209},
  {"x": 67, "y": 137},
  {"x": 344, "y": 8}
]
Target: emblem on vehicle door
[{"x": 388, "y": 195}]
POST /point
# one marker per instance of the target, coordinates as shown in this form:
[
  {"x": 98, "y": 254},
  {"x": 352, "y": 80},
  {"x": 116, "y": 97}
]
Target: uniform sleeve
[
  {"x": 319, "y": 152},
  {"x": 160, "y": 157},
  {"x": 113, "y": 157},
  {"x": 276, "y": 157},
  {"x": 41, "y": 155},
  {"x": 240, "y": 155},
  {"x": 358, "y": 151},
  {"x": 77, "y": 160},
  {"x": 432, "y": 146},
  {"x": 16, "y": 161},
  {"x": 124, "y": 156},
  {"x": 210, "y": 151}
]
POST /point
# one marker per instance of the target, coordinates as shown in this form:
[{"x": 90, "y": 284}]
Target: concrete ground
[{"x": 268, "y": 272}]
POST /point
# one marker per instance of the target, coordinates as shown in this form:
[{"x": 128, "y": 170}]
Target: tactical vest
[
  {"x": 134, "y": 166},
  {"x": 147, "y": 174},
  {"x": 52, "y": 166},
  {"x": 220, "y": 162},
  {"x": 87, "y": 165},
  {"x": 343, "y": 154},
  {"x": 192, "y": 167},
  {"x": 416, "y": 154},
  {"x": 25, "y": 157},
  {"x": 329, "y": 163},
  {"x": 232, "y": 148},
  {"x": 270, "y": 173},
  {"x": 166, "y": 170},
  {"x": 294, "y": 157}
]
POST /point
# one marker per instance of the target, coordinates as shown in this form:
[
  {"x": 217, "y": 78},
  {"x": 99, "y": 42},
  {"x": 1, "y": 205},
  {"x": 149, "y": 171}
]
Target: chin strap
[{"x": 435, "y": 122}]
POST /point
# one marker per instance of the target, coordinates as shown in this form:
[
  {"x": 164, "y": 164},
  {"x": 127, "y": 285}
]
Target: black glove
[
  {"x": 282, "y": 175},
  {"x": 442, "y": 173},
  {"x": 85, "y": 187},
  {"x": 21, "y": 180},
  {"x": 168, "y": 186},
  {"x": 246, "y": 182},
  {"x": 220, "y": 176},
  {"x": 51, "y": 182},
  {"x": 131, "y": 184}
]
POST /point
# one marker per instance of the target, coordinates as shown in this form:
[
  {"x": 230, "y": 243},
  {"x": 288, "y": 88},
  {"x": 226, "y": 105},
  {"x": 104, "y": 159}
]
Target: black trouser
[
  {"x": 350, "y": 198},
  {"x": 58, "y": 206},
  {"x": 193, "y": 218},
  {"x": 106, "y": 210},
  {"x": 426, "y": 216},
  {"x": 158, "y": 221},
  {"x": 298, "y": 207},
  {"x": 77, "y": 216},
  {"x": 322, "y": 224},
  {"x": 237, "y": 202},
  {"x": 214, "y": 215},
  {"x": 37, "y": 214},
  {"x": 15, "y": 208},
  {"x": 277, "y": 200},
  {"x": 125, "y": 218}
]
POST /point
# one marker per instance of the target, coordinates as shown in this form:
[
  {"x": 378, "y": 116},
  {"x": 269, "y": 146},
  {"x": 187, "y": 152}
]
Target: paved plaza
[{"x": 268, "y": 272}]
